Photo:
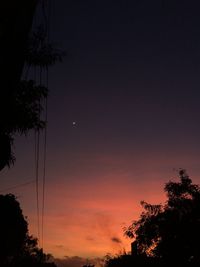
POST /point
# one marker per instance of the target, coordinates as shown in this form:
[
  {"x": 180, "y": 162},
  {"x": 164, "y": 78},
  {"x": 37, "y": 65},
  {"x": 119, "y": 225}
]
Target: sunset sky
[{"x": 123, "y": 117}]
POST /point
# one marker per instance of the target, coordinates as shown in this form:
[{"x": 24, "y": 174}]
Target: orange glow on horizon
[
  {"x": 89, "y": 199},
  {"x": 84, "y": 220}
]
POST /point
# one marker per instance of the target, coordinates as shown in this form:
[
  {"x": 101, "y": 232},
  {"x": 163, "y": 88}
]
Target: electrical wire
[
  {"x": 44, "y": 160},
  {"x": 17, "y": 186},
  {"x": 47, "y": 18},
  {"x": 37, "y": 181},
  {"x": 41, "y": 77}
]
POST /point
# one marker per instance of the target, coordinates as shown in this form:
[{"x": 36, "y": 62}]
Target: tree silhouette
[
  {"x": 15, "y": 24},
  {"x": 13, "y": 228},
  {"x": 170, "y": 232},
  {"x": 17, "y": 247},
  {"x": 21, "y": 106}
]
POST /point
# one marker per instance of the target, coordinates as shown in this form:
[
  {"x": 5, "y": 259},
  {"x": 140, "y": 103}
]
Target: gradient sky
[{"x": 130, "y": 80}]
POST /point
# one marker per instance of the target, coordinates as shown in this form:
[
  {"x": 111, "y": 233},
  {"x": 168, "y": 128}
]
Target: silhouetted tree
[
  {"x": 13, "y": 228},
  {"x": 24, "y": 115},
  {"x": 170, "y": 232},
  {"x": 17, "y": 247},
  {"x": 15, "y": 24},
  {"x": 21, "y": 100}
]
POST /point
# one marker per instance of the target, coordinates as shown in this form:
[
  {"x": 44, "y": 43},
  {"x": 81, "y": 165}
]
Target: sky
[{"x": 123, "y": 117}]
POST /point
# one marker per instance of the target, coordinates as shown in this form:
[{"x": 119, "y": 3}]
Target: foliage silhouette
[
  {"x": 170, "y": 232},
  {"x": 13, "y": 228},
  {"x": 39, "y": 52},
  {"x": 17, "y": 247},
  {"x": 166, "y": 234},
  {"x": 15, "y": 24},
  {"x": 22, "y": 100}
]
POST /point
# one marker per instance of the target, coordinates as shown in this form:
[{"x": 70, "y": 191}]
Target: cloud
[
  {"x": 77, "y": 261},
  {"x": 116, "y": 240},
  {"x": 90, "y": 238}
]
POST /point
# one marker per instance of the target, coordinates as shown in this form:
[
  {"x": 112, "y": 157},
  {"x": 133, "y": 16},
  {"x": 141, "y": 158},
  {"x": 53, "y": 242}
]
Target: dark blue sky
[{"x": 131, "y": 70}]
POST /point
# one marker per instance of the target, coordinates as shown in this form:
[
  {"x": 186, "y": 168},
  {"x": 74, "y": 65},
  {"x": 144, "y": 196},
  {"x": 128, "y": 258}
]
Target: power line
[
  {"x": 17, "y": 186},
  {"x": 46, "y": 16},
  {"x": 44, "y": 160},
  {"x": 41, "y": 76},
  {"x": 37, "y": 180}
]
